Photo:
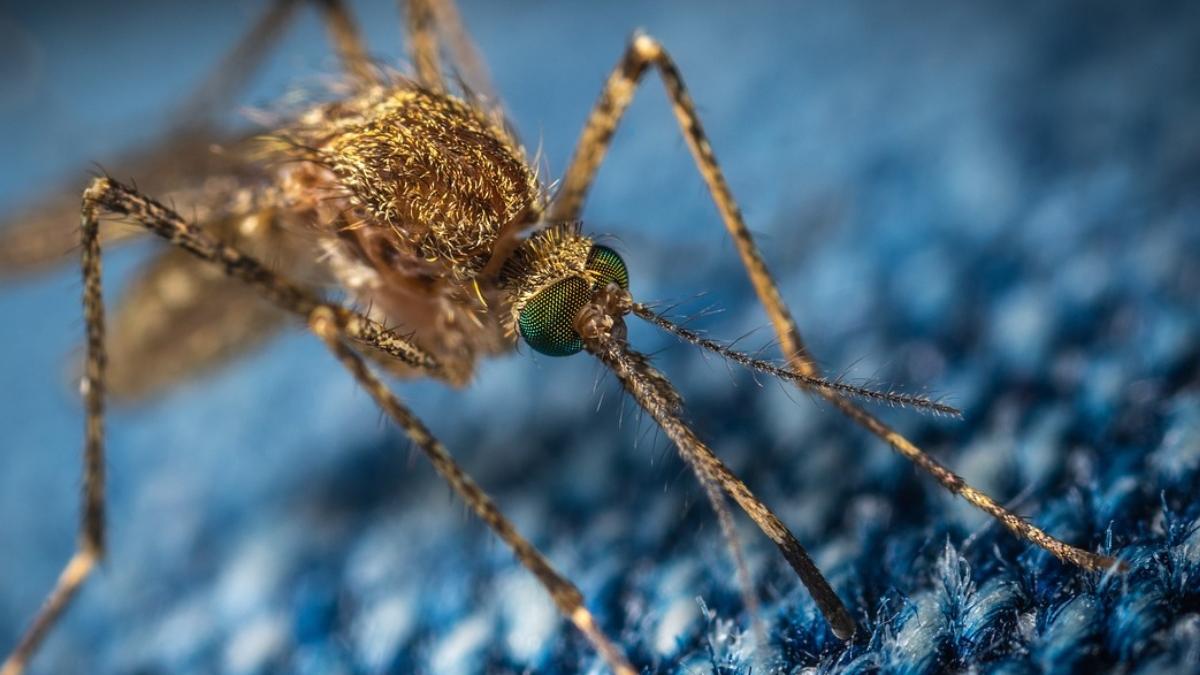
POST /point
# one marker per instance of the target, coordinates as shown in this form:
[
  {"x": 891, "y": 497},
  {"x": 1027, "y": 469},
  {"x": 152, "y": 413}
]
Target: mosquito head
[
  {"x": 568, "y": 293},
  {"x": 563, "y": 286}
]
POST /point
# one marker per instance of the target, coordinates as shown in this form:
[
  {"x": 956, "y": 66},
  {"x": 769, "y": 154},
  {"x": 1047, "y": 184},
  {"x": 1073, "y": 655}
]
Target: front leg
[{"x": 644, "y": 52}]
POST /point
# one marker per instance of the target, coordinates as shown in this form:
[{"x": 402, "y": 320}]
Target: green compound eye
[
  {"x": 608, "y": 266},
  {"x": 547, "y": 320}
]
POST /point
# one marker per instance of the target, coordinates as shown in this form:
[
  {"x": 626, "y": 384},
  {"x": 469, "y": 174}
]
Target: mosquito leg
[
  {"x": 423, "y": 44},
  {"x": 434, "y": 21},
  {"x": 348, "y": 42},
  {"x": 656, "y": 396},
  {"x": 107, "y": 196},
  {"x": 69, "y": 581},
  {"x": 565, "y": 595},
  {"x": 215, "y": 92},
  {"x": 466, "y": 55},
  {"x": 91, "y": 539},
  {"x": 643, "y": 52}
]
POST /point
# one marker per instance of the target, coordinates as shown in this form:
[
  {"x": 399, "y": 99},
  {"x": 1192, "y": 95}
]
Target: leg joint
[
  {"x": 645, "y": 47},
  {"x": 95, "y": 193},
  {"x": 323, "y": 322}
]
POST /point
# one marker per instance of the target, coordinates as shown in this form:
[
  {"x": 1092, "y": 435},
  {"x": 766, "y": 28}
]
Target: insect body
[
  {"x": 417, "y": 198},
  {"x": 420, "y": 204}
]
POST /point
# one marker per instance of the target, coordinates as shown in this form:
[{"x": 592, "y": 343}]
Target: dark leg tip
[{"x": 843, "y": 626}]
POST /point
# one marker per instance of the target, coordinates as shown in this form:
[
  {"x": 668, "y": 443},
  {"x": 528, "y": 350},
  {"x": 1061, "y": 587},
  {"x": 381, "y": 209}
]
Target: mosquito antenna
[
  {"x": 915, "y": 401},
  {"x": 655, "y": 394}
]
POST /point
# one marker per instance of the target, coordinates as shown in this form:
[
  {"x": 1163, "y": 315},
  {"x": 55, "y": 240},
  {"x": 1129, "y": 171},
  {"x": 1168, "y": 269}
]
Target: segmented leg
[
  {"x": 431, "y": 22},
  {"x": 214, "y": 94},
  {"x": 565, "y": 595},
  {"x": 348, "y": 42},
  {"x": 423, "y": 45},
  {"x": 656, "y": 396},
  {"x": 645, "y": 51},
  {"x": 107, "y": 196}
]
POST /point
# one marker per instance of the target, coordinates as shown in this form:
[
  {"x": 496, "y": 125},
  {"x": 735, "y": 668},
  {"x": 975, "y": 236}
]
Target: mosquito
[{"x": 410, "y": 194}]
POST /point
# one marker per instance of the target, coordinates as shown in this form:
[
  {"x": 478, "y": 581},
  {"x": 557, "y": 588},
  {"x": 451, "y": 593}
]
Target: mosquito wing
[
  {"x": 47, "y": 231},
  {"x": 179, "y": 316},
  {"x": 182, "y": 316}
]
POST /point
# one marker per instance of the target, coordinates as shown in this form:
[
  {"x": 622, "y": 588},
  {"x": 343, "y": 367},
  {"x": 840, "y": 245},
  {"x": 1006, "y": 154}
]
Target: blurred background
[{"x": 994, "y": 202}]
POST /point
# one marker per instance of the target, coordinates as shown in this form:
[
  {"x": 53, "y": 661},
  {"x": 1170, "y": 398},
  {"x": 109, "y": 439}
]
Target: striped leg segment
[{"x": 644, "y": 52}]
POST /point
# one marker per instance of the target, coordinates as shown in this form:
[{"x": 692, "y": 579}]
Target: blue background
[{"x": 996, "y": 202}]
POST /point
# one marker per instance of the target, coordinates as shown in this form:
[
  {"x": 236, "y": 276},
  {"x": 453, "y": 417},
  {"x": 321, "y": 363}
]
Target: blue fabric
[{"x": 995, "y": 202}]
